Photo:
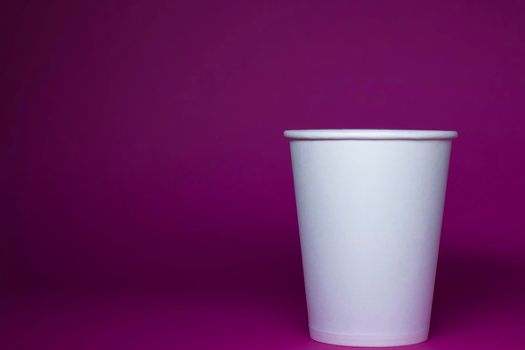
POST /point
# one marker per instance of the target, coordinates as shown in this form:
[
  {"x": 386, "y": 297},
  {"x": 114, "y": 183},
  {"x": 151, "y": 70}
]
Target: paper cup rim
[{"x": 369, "y": 134}]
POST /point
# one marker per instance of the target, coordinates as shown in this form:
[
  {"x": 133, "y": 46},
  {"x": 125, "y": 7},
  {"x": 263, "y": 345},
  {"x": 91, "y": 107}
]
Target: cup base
[{"x": 366, "y": 340}]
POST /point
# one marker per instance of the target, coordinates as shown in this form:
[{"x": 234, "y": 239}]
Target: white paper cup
[{"x": 370, "y": 206}]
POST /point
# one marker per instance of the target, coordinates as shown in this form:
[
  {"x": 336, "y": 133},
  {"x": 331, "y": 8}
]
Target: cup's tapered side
[{"x": 370, "y": 214}]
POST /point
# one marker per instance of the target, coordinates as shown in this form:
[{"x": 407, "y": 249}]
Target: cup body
[{"x": 369, "y": 206}]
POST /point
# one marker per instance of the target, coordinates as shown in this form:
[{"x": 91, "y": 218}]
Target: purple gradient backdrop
[{"x": 147, "y": 194}]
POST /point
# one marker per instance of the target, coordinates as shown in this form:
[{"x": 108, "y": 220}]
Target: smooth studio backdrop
[{"x": 146, "y": 188}]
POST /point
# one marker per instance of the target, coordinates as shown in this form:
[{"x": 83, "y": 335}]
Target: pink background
[{"x": 147, "y": 197}]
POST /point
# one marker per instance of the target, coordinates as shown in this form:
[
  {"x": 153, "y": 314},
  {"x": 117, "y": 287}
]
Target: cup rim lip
[{"x": 369, "y": 134}]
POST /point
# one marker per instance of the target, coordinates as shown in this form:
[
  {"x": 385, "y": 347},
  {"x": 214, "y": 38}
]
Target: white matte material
[{"x": 370, "y": 215}]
